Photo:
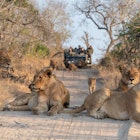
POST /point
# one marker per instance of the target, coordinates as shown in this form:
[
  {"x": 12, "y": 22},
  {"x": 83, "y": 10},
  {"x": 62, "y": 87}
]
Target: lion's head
[
  {"x": 41, "y": 79},
  {"x": 130, "y": 76}
]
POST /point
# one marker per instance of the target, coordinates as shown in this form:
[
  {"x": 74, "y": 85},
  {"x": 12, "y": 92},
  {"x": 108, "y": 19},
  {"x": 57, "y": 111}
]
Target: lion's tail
[
  {"x": 17, "y": 108},
  {"x": 76, "y": 110}
]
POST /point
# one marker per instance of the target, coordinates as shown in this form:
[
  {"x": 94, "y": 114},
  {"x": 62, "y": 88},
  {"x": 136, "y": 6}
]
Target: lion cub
[{"x": 92, "y": 85}]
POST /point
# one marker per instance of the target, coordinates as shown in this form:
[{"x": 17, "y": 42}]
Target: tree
[
  {"x": 86, "y": 39},
  {"x": 26, "y": 30},
  {"x": 128, "y": 48},
  {"x": 109, "y": 16},
  {"x": 18, "y": 26},
  {"x": 56, "y": 19}
]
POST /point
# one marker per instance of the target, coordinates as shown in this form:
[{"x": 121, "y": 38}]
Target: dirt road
[{"x": 26, "y": 126}]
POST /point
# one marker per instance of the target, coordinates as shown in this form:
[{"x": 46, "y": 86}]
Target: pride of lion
[
  {"x": 122, "y": 103},
  {"x": 50, "y": 96}
]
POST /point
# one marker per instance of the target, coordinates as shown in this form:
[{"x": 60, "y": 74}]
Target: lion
[
  {"x": 130, "y": 77},
  {"x": 92, "y": 102},
  {"x": 52, "y": 94},
  {"x": 92, "y": 85},
  {"x": 72, "y": 66},
  {"x": 48, "y": 95},
  {"x": 57, "y": 65},
  {"x": 119, "y": 106},
  {"x": 23, "y": 102}
]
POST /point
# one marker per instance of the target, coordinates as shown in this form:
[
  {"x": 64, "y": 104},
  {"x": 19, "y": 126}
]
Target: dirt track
[{"x": 26, "y": 126}]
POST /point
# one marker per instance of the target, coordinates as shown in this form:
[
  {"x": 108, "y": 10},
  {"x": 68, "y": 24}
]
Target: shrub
[{"x": 41, "y": 50}]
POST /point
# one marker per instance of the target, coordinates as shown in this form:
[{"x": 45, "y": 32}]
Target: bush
[
  {"x": 128, "y": 48},
  {"x": 41, "y": 50},
  {"x": 105, "y": 62}
]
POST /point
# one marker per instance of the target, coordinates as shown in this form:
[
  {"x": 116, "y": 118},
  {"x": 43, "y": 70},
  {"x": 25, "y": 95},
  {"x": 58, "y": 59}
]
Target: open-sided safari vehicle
[{"x": 80, "y": 60}]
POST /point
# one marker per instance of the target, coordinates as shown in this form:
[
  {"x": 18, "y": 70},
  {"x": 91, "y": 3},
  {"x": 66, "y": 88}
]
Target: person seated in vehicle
[
  {"x": 71, "y": 51},
  {"x": 83, "y": 51},
  {"x": 79, "y": 49},
  {"x": 76, "y": 50}
]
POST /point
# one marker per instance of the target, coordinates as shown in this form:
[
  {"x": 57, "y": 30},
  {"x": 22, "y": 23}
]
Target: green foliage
[
  {"x": 41, "y": 51},
  {"x": 21, "y": 3},
  {"x": 38, "y": 50},
  {"x": 26, "y": 30},
  {"x": 128, "y": 49}
]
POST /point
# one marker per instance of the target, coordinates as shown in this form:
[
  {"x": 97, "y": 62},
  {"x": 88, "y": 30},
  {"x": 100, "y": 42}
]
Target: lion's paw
[
  {"x": 7, "y": 107},
  {"x": 99, "y": 115},
  {"x": 37, "y": 111},
  {"x": 51, "y": 113}
]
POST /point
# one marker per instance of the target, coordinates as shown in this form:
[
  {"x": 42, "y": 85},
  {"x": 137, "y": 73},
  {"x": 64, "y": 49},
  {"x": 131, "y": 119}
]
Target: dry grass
[
  {"x": 22, "y": 67},
  {"x": 28, "y": 66},
  {"x": 111, "y": 76},
  {"x": 9, "y": 90}
]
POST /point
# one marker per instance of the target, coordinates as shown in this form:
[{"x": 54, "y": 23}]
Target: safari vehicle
[{"x": 80, "y": 60}]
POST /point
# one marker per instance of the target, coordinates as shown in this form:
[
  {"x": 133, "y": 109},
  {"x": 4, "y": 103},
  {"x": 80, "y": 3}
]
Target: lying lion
[
  {"x": 121, "y": 106},
  {"x": 57, "y": 65},
  {"x": 72, "y": 66},
  {"x": 48, "y": 95}
]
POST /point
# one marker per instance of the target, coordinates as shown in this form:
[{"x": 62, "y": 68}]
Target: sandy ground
[{"x": 26, "y": 126}]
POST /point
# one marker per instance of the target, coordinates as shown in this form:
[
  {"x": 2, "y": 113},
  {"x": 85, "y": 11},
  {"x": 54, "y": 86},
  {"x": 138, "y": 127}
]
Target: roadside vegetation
[
  {"x": 31, "y": 36},
  {"x": 120, "y": 20}
]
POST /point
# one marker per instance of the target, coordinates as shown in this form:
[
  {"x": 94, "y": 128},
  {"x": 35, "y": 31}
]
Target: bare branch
[{"x": 108, "y": 15}]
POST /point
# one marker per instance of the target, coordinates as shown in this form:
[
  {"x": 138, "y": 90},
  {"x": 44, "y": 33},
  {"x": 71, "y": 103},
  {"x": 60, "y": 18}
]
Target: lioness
[
  {"x": 48, "y": 95},
  {"x": 72, "y": 66},
  {"x": 92, "y": 102},
  {"x": 52, "y": 95},
  {"x": 118, "y": 106},
  {"x": 57, "y": 65},
  {"x": 130, "y": 77},
  {"x": 92, "y": 85},
  {"x": 24, "y": 102}
]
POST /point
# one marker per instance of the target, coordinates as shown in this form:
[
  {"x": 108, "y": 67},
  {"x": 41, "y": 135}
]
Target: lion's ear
[
  {"x": 122, "y": 66},
  {"x": 48, "y": 72}
]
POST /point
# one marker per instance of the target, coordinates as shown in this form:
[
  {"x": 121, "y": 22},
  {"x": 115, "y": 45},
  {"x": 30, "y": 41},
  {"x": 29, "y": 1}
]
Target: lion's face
[
  {"x": 92, "y": 81},
  {"x": 41, "y": 80},
  {"x": 130, "y": 76}
]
